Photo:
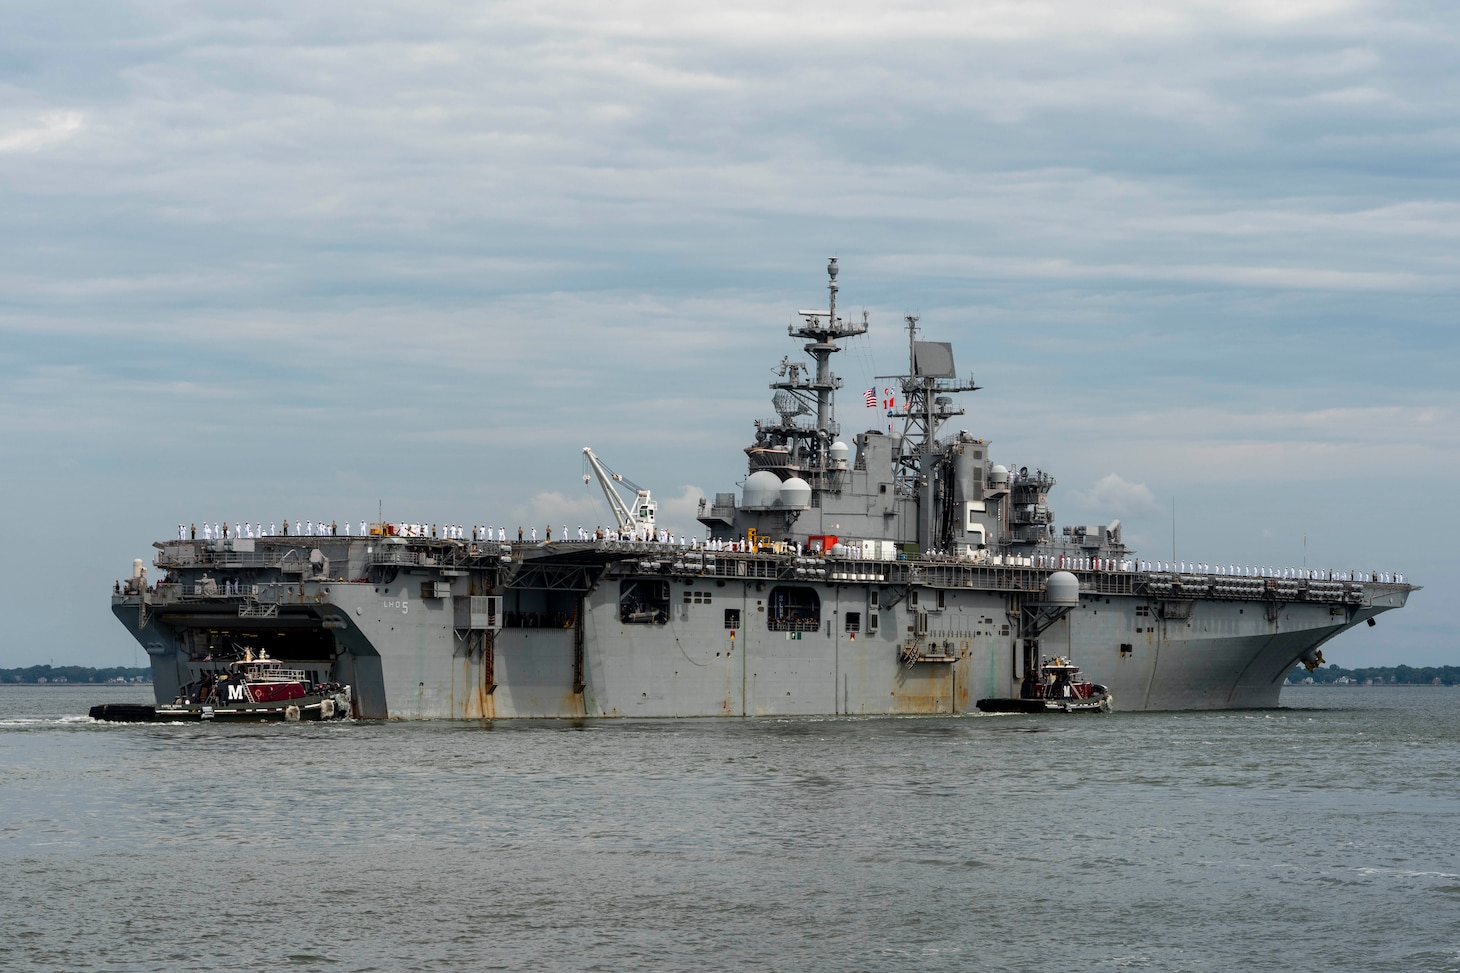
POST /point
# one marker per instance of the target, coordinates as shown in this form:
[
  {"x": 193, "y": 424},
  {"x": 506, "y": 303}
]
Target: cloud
[
  {"x": 841, "y": 23},
  {"x": 590, "y": 510},
  {"x": 556, "y": 508},
  {"x": 1115, "y": 496},
  {"x": 424, "y": 255},
  {"x": 678, "y": 513},
  {"x": 54, "y": 128}
]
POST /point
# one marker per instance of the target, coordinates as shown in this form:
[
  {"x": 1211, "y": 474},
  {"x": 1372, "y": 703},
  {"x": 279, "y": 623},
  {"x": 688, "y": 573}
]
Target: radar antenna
[
  {"x": 805, "y": 388},
  {"x": 926, "y": 403}
]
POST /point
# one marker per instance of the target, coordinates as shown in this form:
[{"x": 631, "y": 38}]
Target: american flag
[{"x": 871, "y": 397}]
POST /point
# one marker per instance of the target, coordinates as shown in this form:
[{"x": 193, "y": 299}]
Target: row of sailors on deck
[
  {"x": 1215, "y": 570},
  {"x": 477, "y": 532},
  {"x": 486, "y": 532},
  {"x": 246, "y": 530},
  {"x": 640, "y": 535}
]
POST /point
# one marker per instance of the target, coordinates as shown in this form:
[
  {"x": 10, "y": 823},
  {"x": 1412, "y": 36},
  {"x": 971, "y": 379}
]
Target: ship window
[
  {"x": 643, "y": 600},
  {"x": 882, "y": 488},
  {"x": 872, "y": 624},
  {"x": 940, "y": 599},
  {"x": 854, "y": 621},
  {"x": 913, "y": 599},
  {"x": 696, "y": 597},
  {"x": 794, "y": 609},
  {"x": 872, "y": 598},
  {"x": 732, "y": 618}
]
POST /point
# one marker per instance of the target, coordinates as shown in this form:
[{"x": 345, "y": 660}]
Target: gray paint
[{"x": 955, "y": 621}]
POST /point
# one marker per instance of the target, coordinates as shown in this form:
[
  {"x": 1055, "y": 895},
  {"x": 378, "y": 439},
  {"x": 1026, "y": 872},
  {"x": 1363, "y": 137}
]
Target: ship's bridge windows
[
  {"x": 643, "y": 601},
  {"x": 794, "y": 609}
]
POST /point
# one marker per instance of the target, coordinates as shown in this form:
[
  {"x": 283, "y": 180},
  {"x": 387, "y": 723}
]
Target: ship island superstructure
[{"x": 904, "y": 572}]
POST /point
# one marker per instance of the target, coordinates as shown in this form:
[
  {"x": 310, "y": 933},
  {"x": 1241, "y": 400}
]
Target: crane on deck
[{"x": 640, "y": 516}]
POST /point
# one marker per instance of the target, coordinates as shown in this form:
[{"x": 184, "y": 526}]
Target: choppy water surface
[{"x": 1324, "y": 835}]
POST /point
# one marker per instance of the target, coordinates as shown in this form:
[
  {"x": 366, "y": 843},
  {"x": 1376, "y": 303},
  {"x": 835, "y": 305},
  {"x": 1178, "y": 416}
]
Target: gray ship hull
[
  {"x": 886, "y": 638},
  {"x": 904, "y": 572}
]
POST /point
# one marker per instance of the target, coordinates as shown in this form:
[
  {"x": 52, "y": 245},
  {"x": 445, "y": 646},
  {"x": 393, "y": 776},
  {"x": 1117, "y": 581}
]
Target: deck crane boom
[{"x": 638, "y": 517}]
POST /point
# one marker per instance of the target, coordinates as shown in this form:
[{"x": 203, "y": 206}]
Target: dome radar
[
  {"x": 796, "y": 492},
  {"x": 762, "y": 489},
  {"x": 1062, "y": 588}
]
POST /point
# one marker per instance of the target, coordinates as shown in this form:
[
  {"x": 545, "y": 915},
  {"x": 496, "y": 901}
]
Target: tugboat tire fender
[{"x": 291, "y": 714}]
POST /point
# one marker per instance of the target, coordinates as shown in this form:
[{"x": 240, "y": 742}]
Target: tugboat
[
  {"x": 250, "y": 689},
  {"x": 1058, "y": 689}
]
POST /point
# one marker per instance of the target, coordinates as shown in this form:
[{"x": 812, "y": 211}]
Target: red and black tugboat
[
  {"x": 1057, "y": 688},
  {"x": 248, "y": 689}
]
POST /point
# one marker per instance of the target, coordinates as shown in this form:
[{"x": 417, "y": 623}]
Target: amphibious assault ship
[{"x": 902, "y": 572}]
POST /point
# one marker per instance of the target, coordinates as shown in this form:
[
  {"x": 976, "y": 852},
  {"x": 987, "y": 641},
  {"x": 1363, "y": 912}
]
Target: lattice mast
[
  {"x": 799, "y": 393},
  {"x": 927, "y": 403}
]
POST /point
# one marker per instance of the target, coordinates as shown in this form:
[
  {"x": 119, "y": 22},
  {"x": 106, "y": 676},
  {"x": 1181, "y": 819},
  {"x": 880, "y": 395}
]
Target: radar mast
[
  {"x": 789, "y": 445},
  {"x": 927, "y": 402}
]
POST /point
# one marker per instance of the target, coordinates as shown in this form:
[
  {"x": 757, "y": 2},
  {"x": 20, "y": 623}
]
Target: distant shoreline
[
  {"x": 1401, "y": 675},
  {"x": 76, "y": 676},
  {"x": 1361, "y": 685}
]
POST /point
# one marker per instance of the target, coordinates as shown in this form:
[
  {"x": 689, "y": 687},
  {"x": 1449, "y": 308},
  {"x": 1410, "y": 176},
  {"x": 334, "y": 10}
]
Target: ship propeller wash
[{"x": 899, "y": 570}]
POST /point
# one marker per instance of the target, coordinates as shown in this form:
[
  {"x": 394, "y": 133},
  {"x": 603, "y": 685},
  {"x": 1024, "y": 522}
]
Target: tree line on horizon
[
  {"x": 69, "y": 674},
  {"x": 1379, "y": 675}
]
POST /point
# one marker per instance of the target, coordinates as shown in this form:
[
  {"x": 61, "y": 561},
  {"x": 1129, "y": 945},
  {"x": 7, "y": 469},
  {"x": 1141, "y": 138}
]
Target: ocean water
[{"x": 1324, "y": 835}]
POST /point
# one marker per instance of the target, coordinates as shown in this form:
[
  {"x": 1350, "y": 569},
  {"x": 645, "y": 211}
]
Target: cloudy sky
[{"x": 278, "y": 260}]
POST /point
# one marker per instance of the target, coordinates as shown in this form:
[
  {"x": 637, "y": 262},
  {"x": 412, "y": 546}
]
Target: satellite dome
[
  {"x": 1062, "y": 588},
  {"x": 762, "y": 489},
  {"x": 999, "y": 476},
  {"x": 839, "y": 452},
  {"x": 796, "y": 492}
]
